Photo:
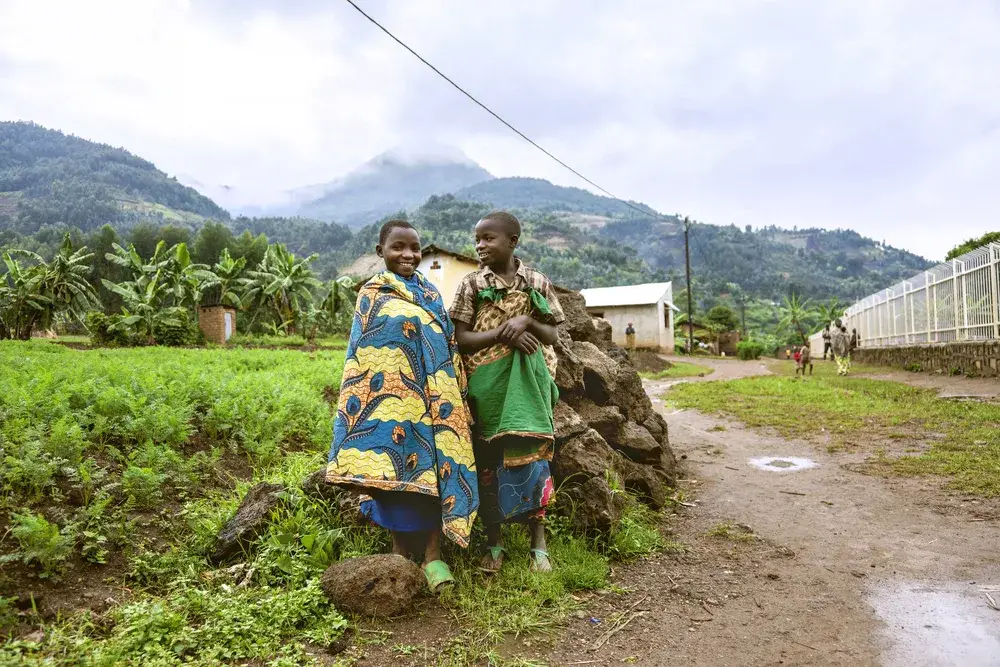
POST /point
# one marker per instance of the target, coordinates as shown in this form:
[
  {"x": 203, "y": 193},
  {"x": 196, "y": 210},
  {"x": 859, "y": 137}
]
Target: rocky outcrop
[
  {"x": 605, "y": 424},
  {"x": 383, "y": 585},
  {"x": 250, "y": 520}
]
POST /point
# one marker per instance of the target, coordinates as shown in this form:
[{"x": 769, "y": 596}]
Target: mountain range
[{"x": 51, "y": 181}]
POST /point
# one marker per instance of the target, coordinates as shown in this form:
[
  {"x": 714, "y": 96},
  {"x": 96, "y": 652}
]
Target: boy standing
[
  {"x": 805, "y": 360},
  {"x": 827, "y": 342},
  {"x": 630, "y": 338},
  {"x": 505, "y": 318}
]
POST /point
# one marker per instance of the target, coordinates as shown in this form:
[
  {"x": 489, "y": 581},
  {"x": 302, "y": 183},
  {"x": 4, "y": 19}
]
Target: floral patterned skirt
[{"x": 511, "y": 493}]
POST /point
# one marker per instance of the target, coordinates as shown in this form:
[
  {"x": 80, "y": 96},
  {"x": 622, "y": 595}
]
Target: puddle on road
[
  {"x": 782, "y": 463},
  {"x": 936, "y": 624}
]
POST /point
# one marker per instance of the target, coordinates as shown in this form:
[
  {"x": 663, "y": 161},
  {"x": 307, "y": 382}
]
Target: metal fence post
[
  {"x": 994, "y": 270},
  {"x": 954, "y": 290}
]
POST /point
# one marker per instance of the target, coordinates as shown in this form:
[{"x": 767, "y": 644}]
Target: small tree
[{"x": 793, "y": 313}]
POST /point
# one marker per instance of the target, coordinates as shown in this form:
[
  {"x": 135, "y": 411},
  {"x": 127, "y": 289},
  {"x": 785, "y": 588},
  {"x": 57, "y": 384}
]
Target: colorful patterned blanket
[
  {"x": 513, "y": 394},
  {"x": 402, "y": 422}
]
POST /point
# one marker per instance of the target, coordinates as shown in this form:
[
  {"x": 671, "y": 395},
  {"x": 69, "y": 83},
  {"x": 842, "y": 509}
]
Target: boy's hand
[
  {"x": 526, "y": 342},
  {"x": 513, "y": 328}
]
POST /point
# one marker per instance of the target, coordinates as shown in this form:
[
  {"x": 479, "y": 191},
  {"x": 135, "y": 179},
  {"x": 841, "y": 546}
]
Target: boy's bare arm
[
  {"x": 470, "y": 341},
  {"x": 515, "y": 326}
]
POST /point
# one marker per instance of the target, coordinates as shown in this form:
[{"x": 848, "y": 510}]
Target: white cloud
[{"x": 879, "y": 116}]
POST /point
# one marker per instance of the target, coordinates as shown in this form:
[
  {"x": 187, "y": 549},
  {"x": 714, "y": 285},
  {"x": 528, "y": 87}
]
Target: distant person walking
[
  {"x": 827, "y": 343},
  {"x": 842, "y": 350},
  {"x": 854, "y": 339},
  {"x": 630, "y": 338},
  {"x": 805, "y": 360}
]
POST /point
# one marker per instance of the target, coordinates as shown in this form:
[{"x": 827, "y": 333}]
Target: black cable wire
[{"x": 495, "y": 115}]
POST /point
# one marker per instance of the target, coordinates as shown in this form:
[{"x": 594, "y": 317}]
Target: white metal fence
[{"x": 953, "y": 302}]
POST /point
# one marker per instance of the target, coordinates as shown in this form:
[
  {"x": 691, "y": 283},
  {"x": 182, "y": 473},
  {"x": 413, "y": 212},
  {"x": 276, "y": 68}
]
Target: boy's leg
[
  {"x": 536, "y": 528},
  {"x": 493, "y": 558}
]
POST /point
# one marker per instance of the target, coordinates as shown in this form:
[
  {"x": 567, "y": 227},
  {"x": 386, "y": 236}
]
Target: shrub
[
  {"x": 100, "y": 326},
  {"x": 41, "y": 541},
  {"x": 184, "y": 332},
  {"x": 749, "y": 349}
]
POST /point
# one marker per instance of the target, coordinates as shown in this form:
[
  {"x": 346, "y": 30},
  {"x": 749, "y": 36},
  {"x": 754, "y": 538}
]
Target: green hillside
[
  {"x": 541, "y": 195},
  {"x": 47, "y": 177},
  {"x": 51, "y": 183},
  {"x": 770, "y": 262}
]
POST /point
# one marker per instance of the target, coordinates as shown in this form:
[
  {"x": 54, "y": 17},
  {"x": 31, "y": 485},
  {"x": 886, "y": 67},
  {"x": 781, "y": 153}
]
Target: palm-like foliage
[
  {"x": 143, "y": 310},
  {"x": 793, "y": 314},
  {"x": 334, "y": 310},
  {"x": 830, "y": 311},
  {"x": 33, "y": 295},
  {"x": 228, "y": 272},
  {"x": 280, "y": 286}
]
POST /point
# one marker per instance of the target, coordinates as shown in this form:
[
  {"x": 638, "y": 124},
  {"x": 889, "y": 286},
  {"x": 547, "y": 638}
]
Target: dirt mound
[{"x": 647, "y": 361}]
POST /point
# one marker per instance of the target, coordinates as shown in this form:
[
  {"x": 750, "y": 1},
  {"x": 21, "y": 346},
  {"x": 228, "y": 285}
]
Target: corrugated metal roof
[{"x": 626, "y": 295}]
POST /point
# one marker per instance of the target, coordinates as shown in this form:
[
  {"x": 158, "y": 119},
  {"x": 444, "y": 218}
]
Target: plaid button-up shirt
[{"x": 463, "y": 309}]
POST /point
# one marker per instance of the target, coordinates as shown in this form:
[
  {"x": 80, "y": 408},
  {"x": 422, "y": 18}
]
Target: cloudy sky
[{"x": 878, "y": 115}]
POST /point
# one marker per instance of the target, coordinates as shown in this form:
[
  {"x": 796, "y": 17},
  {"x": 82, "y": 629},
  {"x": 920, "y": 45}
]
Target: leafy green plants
[
  {"x": 142, "y": 486},
  {"x": 749, "y": 349},
  {"x": 41, "y": 542}
]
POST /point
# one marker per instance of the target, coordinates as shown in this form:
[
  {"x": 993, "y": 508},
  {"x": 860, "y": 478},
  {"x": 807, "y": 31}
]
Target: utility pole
[{"x": 687, "y": 262}]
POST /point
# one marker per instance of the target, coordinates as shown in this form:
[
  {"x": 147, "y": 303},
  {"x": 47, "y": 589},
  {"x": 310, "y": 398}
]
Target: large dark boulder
[
  {"x": 579, "y": 324},
  {"x": 600, "y": 372},
  {"x": 383, "y": 585},
  {"x": 643, "y": 481},
  {"x": 591, "y": 506},
  {"x": 250, "y": 520},
  {"x": 605, "y": 419},
  {"x": 603, "y": 334},
  {"x": 569, "y": 371},
  {"x": 568, "y": 424},
  {"x": 637, "y": 444},
  {"x": 583, "y": 457}
]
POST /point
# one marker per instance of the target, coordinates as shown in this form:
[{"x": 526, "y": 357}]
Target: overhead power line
[{"x": 496, "y": 115}]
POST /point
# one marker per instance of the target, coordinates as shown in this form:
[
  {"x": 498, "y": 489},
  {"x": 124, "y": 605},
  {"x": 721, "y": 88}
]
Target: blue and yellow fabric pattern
[{"x": 402, "y": 421}]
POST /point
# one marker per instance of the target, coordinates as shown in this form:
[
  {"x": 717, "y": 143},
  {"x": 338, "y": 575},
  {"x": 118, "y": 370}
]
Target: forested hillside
[
  {"x": 770, "y": 262},
  {"x": 541, "y": 195},
  {"x": 51, "y": 184},
  {"x": 48, "y": 177}
]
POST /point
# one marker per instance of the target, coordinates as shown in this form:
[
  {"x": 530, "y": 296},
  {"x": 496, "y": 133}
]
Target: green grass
[
  {"x": 855, "y": 412},
  {"x": 136, "y": 457},
  {"x": 679, "y": 369}
]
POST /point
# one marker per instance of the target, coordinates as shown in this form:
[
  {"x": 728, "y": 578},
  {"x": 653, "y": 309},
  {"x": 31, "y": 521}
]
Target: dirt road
[{"x": 840, "y": 568}]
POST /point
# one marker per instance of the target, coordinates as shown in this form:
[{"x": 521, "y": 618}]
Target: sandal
[
  {"x": 540, "y": 561},
  {"x": 496, "y": 560},
  {"x": 438, "y": 576}
]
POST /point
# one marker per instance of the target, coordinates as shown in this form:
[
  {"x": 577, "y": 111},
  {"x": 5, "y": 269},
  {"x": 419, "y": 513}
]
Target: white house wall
[{"x": 650, "y": 331}]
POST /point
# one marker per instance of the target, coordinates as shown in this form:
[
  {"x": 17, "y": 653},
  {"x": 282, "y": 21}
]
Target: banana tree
[
  {"x": 143, "y": 311},
  {"x": 830, "y": 311},
  {"x": 34, "y": 295},
  {"x": 228, "y": 272},
  {"x": 794, "y": 312},
  {"x": 23, "y": 301},
  {"x": 280, "y": 286}
]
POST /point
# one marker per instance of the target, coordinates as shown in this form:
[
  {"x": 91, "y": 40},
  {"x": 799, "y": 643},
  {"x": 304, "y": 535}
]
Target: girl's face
[{"x": 401, "y": 251}]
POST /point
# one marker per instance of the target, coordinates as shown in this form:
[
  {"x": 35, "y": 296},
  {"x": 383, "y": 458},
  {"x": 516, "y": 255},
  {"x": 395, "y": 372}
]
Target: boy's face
[
  {"x": 494, "y": 244},
  {"x": 401, "y": 251}
]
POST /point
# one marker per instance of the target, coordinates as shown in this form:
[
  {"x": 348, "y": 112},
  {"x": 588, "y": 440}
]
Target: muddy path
[{"x": 812, "y": 564}]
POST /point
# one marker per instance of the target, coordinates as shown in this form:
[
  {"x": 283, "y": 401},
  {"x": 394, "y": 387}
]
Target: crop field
[{"x": 119, "y": 467}]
